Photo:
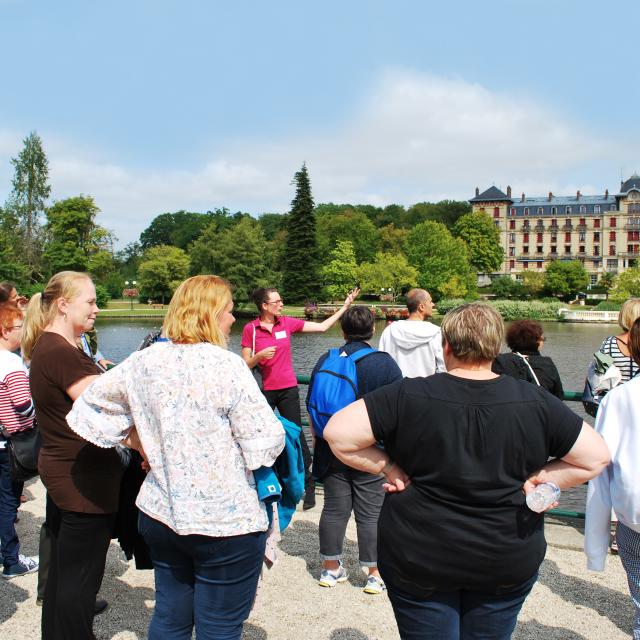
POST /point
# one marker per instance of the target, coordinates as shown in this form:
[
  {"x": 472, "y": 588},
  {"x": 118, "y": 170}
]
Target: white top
[
  {"x": 203, "y": 424},
  {"x": 416, "y": 347},
  {"x": 618, "y": 486}
]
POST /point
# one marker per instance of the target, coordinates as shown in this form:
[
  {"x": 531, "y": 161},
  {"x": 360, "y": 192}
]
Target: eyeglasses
[
  {"x": 18, "y": 326},
  {"x": 279, "y": 301}
]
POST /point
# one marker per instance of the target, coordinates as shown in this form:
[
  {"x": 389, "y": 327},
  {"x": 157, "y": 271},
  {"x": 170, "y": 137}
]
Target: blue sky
[{"x": 159, "y": 106}]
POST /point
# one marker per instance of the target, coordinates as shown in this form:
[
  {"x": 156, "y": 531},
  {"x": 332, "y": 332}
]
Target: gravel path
[{"x": 567, "y": 603}]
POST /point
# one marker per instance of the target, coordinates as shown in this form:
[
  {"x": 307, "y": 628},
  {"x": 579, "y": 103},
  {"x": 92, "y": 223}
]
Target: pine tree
[
  {"x": 300, "y": 278},
  {"x": 30, "y": 192}
]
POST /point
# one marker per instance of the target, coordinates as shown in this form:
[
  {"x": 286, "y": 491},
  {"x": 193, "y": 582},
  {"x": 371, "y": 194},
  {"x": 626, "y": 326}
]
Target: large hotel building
[{"x": 603, "y": 231}]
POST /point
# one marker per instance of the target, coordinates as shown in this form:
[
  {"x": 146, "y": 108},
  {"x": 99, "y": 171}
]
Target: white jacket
[
  {"x": 618, "y": 486},
  {"x": 416, "y": 347}
]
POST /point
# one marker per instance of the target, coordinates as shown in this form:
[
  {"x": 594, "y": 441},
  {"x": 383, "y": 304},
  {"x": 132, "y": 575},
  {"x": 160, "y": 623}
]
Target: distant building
[{"x": 603, "y": 231}]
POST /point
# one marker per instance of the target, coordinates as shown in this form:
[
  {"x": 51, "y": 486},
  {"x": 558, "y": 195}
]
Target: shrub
[
  {"x": 102, "y": 296},
  {"x": 512, "y": 309},
  {"x": 607, "y": 305}
]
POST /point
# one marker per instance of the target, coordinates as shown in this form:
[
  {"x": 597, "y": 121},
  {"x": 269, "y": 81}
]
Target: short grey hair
[{"x": 474, "y": 331}]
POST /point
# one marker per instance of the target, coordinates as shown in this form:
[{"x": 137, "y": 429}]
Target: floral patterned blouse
[{"x": 204, "y": 425}]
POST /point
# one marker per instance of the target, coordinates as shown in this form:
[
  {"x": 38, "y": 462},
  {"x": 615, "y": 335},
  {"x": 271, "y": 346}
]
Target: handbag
[
  {"x": 23, "y": 449},
  {"x": 256, "y": 370}
]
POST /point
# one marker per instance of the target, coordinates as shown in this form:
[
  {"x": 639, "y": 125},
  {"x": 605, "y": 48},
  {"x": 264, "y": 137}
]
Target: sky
[{"x": 158, "y": 106}]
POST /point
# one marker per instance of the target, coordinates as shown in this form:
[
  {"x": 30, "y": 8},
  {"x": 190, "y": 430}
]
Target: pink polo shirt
[{"x": 278, "y": 372}]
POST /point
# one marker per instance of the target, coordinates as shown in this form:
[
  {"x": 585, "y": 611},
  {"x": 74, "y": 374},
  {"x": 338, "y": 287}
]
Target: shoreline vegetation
[{"x": 509, "y": 309}]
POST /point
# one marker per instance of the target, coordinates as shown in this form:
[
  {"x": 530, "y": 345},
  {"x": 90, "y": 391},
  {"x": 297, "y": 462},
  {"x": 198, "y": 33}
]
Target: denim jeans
[
  {"x": 10, "y": 492},
  {"x": 346, "y": 489},
  {"x": 206, "y": 582},
  {"x": 459, "y": 615}
]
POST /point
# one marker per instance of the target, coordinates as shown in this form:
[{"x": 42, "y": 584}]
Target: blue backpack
[{"x": 335, "y": 385}]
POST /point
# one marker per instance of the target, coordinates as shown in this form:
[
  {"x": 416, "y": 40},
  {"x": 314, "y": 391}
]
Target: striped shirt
[
  {"x": 16, "y": 407},
  {"x": 628, "y": 368}
]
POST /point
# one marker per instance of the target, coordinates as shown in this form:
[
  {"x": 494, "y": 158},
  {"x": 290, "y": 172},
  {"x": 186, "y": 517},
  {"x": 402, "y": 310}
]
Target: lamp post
[{"x": 130, "y": 292}]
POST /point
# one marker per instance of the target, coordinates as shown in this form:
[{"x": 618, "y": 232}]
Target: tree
[
  {"x": 30, "y": 190},
  {"x": 348, "y": 225},
  {"x": 627, "y": 285},
  {"x": 565, "y": 278},
  {"x": 506, "y": 287},
  {"x": 532, "y": 283},
  {"x": 300, "y": 278},
  {"x": 438, "y": 257},
  {"x": 391, "y": 239},
  {"x": 11, "y": 267},
  {"x": 389, "y": 271},
  {"x": 178, "y": 229},
  {"x": 75, "y": 241},
  {"x": 482, "y": 239},
  {"x": 161, "y": 270},
  {"x": 341, "y": 272},
  {"x": 239, "y": 254},
  {"x": 607, "y": 281},
  {"x": 446, "y": 211}
]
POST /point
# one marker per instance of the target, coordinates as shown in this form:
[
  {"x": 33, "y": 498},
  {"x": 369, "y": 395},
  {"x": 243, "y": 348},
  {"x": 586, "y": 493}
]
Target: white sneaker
[
  {"x": 331, "y": 578},
  {"x": 374, "y": 586}
]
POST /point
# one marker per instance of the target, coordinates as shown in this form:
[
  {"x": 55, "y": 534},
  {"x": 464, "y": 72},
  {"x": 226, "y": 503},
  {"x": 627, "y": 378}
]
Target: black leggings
[
  {"x": 287, "y": 402},
  {"x": 79, "y": 544}
]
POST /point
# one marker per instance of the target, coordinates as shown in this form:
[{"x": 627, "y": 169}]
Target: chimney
[
  {"x": 508, "y": 192},
  {"x": 606, "y": 194},
  {"x": 578, "y": 194},
  {"x": 477, "y": 192},
  {"x": 522, "y": 197},
  {"x": 550, "y": 196}
]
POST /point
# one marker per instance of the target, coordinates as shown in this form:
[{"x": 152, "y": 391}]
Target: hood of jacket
[{"x": 409, "y": 334}]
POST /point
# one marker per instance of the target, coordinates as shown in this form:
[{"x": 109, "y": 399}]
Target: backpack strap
[{"x": 361, "y": 353}]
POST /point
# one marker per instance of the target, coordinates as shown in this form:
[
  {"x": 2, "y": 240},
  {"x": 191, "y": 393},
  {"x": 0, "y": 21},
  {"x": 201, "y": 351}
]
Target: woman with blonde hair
[
  {"x": 617, "y": 346},
  {"x": 82, "y": 480},
  {"x": 203, "y": 426}
]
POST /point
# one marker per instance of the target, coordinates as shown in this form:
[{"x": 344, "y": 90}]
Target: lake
[{"x": 570, "y": 345}]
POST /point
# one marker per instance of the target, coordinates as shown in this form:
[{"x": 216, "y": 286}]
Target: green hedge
[
  {"x": 512, "y": 309},
  {"x": 607, "y": 305}
]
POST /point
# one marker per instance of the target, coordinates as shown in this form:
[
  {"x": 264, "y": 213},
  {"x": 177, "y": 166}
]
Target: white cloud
[{"x": 414, "y": 137}]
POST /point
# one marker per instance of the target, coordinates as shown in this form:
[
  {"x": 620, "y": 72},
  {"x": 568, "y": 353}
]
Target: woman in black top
[
  {"x": 525, "y": 339},
  {"x": 458, "y": 549}
]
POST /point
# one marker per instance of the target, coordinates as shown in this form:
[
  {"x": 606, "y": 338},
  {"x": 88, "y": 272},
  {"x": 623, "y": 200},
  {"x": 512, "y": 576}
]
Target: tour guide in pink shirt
[{"x": 266, "y": 342}]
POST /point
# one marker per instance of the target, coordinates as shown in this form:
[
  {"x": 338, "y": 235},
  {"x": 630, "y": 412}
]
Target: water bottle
[{"x": 543, "y": 496}]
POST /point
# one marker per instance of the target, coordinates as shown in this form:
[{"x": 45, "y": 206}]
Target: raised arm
[{"x": 321, "y": 327}]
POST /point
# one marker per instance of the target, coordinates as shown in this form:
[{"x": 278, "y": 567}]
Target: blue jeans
[
  {"x": 10, "y": 492},
  {"x": 459, "y": 615},
  {"x": 202, "y": 581}
]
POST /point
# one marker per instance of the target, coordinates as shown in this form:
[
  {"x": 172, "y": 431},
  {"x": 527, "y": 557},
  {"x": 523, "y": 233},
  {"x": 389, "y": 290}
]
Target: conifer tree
[
  {"x": 30, "y": 191},
  {"x": 300, "y": 278}
]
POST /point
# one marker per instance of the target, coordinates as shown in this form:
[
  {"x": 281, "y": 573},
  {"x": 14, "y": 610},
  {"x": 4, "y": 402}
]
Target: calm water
[{"x": 570, "y": 345}]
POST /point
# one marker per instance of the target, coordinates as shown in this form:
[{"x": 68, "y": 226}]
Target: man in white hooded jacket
[{"x": 415, "y": 344}]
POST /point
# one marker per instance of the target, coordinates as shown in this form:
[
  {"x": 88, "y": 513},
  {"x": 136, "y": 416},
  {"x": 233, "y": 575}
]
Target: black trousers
[
  {"x": 79, "y": 544},
  {"x": 287, "y": 402}
]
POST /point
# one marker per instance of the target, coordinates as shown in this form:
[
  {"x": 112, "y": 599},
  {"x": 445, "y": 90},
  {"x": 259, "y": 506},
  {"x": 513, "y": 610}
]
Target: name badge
[{"x": 280, "y": 335}]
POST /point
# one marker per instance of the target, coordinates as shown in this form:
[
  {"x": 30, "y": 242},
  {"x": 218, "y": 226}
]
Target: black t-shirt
[{"x": 468, "y": 446}]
